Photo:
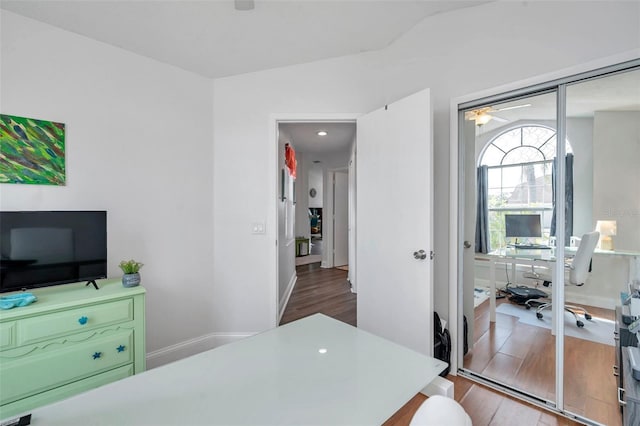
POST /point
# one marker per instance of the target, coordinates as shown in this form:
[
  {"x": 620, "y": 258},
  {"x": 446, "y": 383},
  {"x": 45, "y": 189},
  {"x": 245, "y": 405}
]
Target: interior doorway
[
  {"x": 397, "y": 133},
  {"x": 309, "y": 205}
]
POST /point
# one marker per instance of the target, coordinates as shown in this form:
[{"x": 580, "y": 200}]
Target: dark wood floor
[
  {"x": 327, "y": 291},
  {"x": 321, "y": 290}
]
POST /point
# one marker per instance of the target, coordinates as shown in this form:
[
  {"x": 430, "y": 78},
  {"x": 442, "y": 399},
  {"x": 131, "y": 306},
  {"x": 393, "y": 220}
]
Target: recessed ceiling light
[
  {"x": 244, "y": 4},
  {"x": 322, "y": 133}
]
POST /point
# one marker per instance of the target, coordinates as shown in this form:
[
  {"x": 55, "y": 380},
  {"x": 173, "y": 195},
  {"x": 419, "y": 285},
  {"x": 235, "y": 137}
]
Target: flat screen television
[
  {"x": 45, "y": 248},
  {"x": 523, "y": 225}
]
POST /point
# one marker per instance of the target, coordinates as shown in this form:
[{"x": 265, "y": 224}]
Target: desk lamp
[{"x": 607, "y": 229}]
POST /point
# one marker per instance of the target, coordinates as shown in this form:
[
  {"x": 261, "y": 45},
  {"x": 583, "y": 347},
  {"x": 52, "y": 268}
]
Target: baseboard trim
[
  {"x": 287, "y": 295},
  {"x": 191, "y": 347}
]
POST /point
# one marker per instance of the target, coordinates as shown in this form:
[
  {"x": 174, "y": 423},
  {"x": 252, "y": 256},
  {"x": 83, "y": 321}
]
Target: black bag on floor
[
  {"x": 442, "y": 343},
  {"x": 465, "y": 341}
]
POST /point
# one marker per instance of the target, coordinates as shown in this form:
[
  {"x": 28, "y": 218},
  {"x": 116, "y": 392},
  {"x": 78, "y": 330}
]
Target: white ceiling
[
  {"x": 211, "y": 38},
  {"x": 305, "y": 139},
  {"x": 617, "y": 92}
]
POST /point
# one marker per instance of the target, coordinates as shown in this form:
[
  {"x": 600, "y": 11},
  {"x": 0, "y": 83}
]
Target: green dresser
[{"x": 72, "y": 339}]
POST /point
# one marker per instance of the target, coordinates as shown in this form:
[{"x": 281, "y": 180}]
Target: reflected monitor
[{"x": 523, "y": 225}]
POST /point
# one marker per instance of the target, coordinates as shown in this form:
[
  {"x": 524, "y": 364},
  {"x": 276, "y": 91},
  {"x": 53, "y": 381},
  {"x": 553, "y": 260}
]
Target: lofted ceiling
[{"x": 213, "y": 39}]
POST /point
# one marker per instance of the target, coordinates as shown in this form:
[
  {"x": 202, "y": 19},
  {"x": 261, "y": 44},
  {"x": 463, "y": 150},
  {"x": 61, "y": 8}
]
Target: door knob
[
  {"x": 467, "y": 244},
  {"x": 420, "y": 254}
]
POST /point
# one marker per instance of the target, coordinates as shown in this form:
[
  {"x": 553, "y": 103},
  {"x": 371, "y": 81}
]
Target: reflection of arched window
[{"x": 519, "y": 163}]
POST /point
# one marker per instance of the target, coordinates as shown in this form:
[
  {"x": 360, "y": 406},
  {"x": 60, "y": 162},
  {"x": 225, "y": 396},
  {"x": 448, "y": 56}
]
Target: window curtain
[
  {"x": 568, "y": 193},
  {"x": 482, "y": 211}
]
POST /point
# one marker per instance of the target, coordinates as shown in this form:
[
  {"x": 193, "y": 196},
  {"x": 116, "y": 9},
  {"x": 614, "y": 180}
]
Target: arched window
[{"x": 519, "y": 165}]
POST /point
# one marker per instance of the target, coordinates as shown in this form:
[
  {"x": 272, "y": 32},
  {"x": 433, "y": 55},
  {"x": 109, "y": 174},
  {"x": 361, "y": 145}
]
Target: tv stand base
[{"x": 94, "y": 284}]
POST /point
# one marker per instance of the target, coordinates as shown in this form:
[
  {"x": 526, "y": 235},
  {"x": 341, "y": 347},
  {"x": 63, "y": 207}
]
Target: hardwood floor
[
  {"x": 327, "y": 291},
  {"x": 321, "y": 290},
  {"x": 523, "y": 356},
  {"x": 485, "y": 407}
]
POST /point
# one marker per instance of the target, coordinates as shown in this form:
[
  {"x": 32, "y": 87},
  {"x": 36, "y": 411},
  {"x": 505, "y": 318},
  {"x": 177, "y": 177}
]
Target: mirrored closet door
[
  {"x": 509, "y": 149},
  {"x": 603, "y": 124},
  {"x": 548, "y": 245}
]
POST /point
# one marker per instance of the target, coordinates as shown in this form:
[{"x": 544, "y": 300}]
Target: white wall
[
  {"x": 316, "y": 172},
  {"x": 446, "y": 53},
  {"x": 138, "y": 144},
  {"x": 286, "y": 246},
  {"x": 617, "y": 174},
  {"x": 580, "y": 135},
  {"x": 303, "y": 228}
]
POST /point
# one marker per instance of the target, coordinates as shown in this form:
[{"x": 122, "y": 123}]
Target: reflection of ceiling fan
[{"x": 481, "y": 115}]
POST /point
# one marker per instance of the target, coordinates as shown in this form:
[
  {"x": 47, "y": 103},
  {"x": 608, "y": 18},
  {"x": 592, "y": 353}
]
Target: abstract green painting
[{"x": 31, "y": 151}]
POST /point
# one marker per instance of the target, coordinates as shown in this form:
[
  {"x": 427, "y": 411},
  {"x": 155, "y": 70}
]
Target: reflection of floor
[
  {"x": 523, "y": 356},
  {"x": 597, "y": 329}
]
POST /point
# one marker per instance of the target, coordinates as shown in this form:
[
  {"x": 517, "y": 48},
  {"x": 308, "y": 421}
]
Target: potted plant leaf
[{"x": 131, "y": 269}]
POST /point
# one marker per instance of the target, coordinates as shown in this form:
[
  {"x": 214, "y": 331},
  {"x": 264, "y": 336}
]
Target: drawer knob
[
  {"x": 121, "y": 348},
  {"x": 83, "y": 320},
  {"x": 97, "y": 355}
]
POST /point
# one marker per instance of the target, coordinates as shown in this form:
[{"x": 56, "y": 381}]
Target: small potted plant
[{"x": 131, "y": 269}]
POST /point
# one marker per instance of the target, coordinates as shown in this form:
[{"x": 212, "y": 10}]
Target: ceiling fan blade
[
  {"x": 500, "y": 119},
  {"x": 513, "y": 107},
  {"x": 470, "y": 115}
]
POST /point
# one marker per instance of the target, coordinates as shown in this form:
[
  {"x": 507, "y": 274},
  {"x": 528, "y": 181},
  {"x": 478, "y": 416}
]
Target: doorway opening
[{"x": 314, "y": 217}]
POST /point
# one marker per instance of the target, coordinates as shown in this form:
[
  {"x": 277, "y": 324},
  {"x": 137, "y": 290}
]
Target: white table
[
  {"x": 315, "y": 371},
  {"x": 544, "y": 258},
  {"x": 513, "y": 256}
]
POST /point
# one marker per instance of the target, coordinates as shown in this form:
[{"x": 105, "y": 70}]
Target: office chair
[{"x": 579, "y": 269}]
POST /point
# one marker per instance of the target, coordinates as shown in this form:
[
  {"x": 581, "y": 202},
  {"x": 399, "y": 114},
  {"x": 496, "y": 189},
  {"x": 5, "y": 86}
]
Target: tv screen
[
  {"x": 43, "y": 248},
  {"x": 522, "y": 225}
]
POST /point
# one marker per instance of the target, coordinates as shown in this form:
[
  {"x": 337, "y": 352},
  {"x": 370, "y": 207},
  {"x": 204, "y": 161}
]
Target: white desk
[
  {"x": 513, "y": 256},
  {"x": 278, "y": 377},
  {"x": 543, "y": 258}
]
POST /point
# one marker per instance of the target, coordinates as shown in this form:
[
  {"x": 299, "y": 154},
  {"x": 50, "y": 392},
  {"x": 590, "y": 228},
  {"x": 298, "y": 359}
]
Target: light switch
[{"x": 257, "y": 228}]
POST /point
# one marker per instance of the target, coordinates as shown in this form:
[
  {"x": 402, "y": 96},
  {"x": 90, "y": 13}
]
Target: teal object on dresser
[{"x": 72, "y": 339}]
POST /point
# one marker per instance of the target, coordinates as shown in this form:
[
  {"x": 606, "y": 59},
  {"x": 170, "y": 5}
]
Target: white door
[
  {"x": 394, "y": 217},
  {"x": 340, "y": 219}
]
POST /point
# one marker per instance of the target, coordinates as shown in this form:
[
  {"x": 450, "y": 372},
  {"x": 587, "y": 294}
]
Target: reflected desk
[
  {"x": 316, "y": 370},
  {"x": 514, "y": 256},
  {"x": 546, "y": 258}
]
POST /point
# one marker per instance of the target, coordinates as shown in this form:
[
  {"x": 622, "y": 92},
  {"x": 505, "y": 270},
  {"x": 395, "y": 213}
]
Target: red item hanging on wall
[{"x": 290, "y": 159}]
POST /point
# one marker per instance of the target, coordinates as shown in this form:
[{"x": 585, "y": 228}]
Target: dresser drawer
[
  {"x": 7, "y": 335},
  {"x": 58, "y": 364},
  {"x": 88, "y": 317}
]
